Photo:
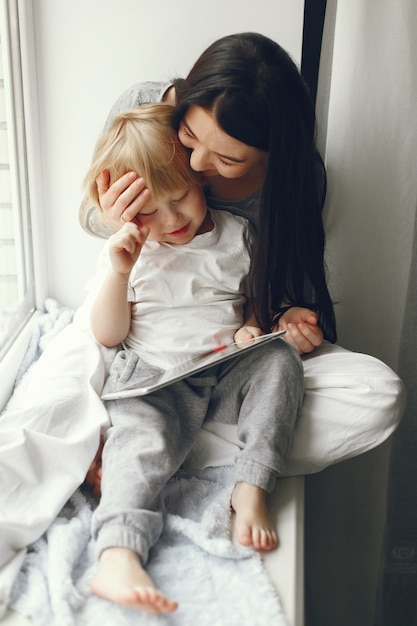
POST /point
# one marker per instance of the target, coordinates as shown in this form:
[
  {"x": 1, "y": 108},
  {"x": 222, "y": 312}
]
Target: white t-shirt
[{"x": 188, "y": 299}]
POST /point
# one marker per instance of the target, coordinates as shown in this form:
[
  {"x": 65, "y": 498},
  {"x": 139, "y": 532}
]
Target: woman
[
  {"x": 245, "y": 114},
  {"x": 246, "y": 117}
]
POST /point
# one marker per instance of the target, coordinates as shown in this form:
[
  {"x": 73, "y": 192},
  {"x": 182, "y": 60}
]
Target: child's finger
[{"x": 144, "y": 231}]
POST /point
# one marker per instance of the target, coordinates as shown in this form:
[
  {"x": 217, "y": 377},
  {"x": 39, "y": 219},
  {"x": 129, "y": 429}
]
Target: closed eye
[
  {"x": 223, "y": 162},
  {"x": 185, "y": 130},
  {"x": 184, "y": 195}
]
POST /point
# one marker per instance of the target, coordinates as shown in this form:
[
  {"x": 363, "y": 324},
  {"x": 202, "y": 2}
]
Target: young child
[{"x": 175, "y": 287}]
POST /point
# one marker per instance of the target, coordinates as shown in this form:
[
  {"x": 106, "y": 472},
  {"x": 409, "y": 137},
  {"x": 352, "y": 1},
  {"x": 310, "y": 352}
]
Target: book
[{"x": 191, "y": 367}]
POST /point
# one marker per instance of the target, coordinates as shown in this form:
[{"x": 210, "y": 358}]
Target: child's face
[{"x": 176, "y": 217}]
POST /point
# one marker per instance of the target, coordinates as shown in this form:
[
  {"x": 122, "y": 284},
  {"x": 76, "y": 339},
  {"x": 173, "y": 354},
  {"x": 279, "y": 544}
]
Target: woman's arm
[
  {"x": 113, "y": 200},
  {"x": 300, "y": 323},
  {"x": 303, "y": 331},
  {"x": 125, "y": 197},
  {"x": 92, "y": 220}
]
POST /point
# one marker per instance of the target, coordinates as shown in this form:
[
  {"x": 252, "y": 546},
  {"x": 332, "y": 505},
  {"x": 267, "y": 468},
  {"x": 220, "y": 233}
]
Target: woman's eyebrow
[{"x": 223, "y": 156}]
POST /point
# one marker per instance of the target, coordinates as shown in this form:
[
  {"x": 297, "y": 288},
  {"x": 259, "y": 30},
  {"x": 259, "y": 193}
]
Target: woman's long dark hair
[{"x": 259, "y": 97}]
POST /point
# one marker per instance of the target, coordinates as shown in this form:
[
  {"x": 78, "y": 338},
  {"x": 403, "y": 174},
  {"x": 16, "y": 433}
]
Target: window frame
[{"x": 19, "y": 19}]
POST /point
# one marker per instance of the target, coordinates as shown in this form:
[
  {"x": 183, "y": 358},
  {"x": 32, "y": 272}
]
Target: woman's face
[{"x": 214, "y": 152}]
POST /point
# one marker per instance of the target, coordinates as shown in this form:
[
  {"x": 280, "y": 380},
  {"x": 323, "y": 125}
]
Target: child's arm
[
  {"x": 111, "y": 312},
  {"x": 250, "y": 328}
]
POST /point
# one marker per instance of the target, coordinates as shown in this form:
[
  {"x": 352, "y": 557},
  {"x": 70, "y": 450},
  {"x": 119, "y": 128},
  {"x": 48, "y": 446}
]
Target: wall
[
  {"x": 370, "y": 208},
  {"x": 87, "y": 54},
  {"x": 370, "y": 157}
]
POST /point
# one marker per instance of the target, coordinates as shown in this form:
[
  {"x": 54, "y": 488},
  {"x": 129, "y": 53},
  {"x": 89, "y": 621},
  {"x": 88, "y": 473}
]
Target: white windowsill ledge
[{"x": 10, "y": 363}]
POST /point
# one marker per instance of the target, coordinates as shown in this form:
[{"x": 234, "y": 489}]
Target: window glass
[{"x": 17, "y": 296}]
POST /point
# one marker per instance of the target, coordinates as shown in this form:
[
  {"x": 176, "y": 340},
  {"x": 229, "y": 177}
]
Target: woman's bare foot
[
  {"x": 121, "y": 578},
  {"x": 253, "y": 526}
]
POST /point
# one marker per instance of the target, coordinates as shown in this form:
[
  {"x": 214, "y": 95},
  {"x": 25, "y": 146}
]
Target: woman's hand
[
  {"x": 125, "y": 247},
  {"x": 302, "y": 329},
  {"x": 246, "y": 333},
  {"x": 121, "y": 200}
]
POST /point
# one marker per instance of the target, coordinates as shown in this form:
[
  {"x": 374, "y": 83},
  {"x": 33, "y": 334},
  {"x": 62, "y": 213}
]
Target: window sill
[{"x": 10, "y": 363}]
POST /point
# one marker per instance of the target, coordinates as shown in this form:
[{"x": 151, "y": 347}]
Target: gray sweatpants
[{"x": 151, "y": 436}]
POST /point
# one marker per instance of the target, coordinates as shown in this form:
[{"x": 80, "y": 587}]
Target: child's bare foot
[
  {"x": 253, "y": 526},
  {"x": 121, "y": 578}
]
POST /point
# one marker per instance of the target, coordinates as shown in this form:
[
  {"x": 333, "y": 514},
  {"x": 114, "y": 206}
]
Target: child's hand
[
  {"x": 246, "y": 333},
  {"x": 125, "y": 247},
  {"x": 302, "y": 329}
]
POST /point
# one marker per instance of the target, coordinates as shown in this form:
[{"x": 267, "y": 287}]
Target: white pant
[{"x": 353, "y": 402}]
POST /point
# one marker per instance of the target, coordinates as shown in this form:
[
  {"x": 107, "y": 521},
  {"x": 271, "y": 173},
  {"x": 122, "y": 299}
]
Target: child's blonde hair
[{"x": 142, "y": 140}]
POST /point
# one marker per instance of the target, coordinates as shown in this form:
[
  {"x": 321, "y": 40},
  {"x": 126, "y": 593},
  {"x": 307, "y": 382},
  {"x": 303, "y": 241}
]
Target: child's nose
[{"x": 174, "y": 217}]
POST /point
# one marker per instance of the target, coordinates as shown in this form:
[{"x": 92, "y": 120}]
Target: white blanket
[
  {"x": 195, "y": 562},
  {"x": 352, "y": 403}
]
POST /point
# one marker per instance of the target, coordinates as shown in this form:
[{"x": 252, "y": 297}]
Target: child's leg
[
  {"x": 265, "y": 389},
  {"x": 146, "y": 444}
]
